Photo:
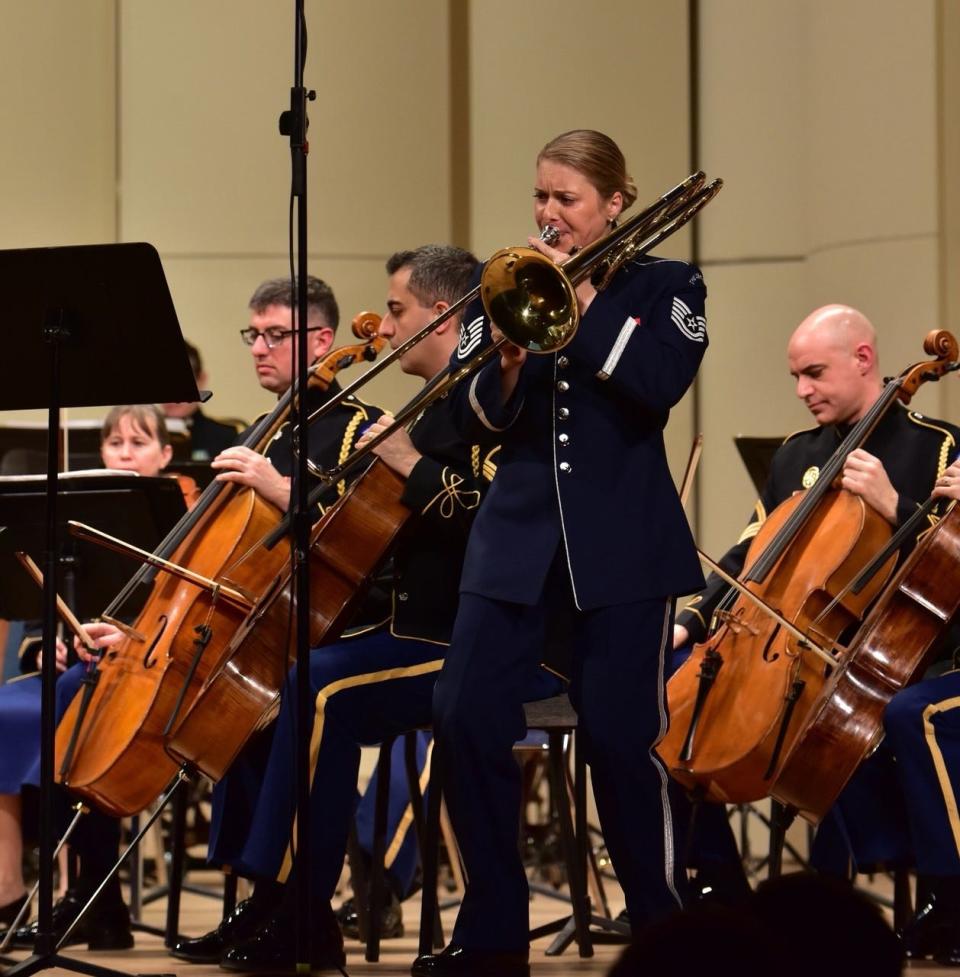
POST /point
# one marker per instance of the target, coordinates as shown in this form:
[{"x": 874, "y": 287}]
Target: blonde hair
[{"x": 597, "y": 157}]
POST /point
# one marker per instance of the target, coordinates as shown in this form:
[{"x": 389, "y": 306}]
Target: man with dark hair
[
  {"x": 369, "y": 687},
  {"x": 270, "y": 338}
]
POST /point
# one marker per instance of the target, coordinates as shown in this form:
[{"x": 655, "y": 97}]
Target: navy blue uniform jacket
[{"x": 582, "y": 459}]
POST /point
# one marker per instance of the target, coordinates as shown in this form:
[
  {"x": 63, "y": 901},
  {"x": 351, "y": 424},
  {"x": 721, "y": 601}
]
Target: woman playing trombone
[{"x": 581, "y": 535}]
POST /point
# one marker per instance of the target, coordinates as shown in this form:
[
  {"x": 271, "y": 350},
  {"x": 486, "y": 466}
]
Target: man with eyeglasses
[
  {"x": 270, "y": 338},
  {"x": 272, "y": 324}
]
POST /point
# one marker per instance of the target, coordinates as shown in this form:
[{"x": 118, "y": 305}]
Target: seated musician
[
  {"x": 206, "y": 436},
  {"x": 135, "y": 439},
  {"x": 272, "y": 324},
  {"x": 368, "y": 687},
  {"x": 832, "y": 357}
]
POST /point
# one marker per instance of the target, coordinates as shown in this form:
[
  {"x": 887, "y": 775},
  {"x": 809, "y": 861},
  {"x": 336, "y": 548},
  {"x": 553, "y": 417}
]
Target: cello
[
  {"x": 110, "y": 742},
  {"x": 896, "y": 643},
  {"x": 736, "y": 705},
  {"x": 242, "y": 693}
]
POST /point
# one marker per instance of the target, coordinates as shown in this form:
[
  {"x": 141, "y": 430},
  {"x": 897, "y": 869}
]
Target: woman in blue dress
[{"x": 134, "y": 438}]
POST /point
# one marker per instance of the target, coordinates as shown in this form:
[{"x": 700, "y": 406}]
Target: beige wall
[
  {"x": 541, "y": 68},
  {"x": 832, "y": 124},
  {"x": 57, "y": 116},
  {"x": 169, "y": 135}
]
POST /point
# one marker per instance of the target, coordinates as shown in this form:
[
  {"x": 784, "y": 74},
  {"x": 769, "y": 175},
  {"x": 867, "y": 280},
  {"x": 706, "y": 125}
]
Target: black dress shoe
[
  {"x": 108, "y": 927},
  {"x": 391, "y": 920},
  {"x": 720, "y": 883},
  {"x": 240, "y": 925},
  {"x": 65, "y": 912},
  {"x": 104, "y": 927},
  {"x": 929, "y": 932},
  {"x": 273, "y": 948},
  {"x": 458, "y": 961}
]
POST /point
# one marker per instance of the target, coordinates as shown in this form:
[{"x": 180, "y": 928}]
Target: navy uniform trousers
[
  {"x": 617, "y": 688},
  {"x": 900, "y": 808},
  {"x": 365, "y": 690},
  {"x": 922, "y": 724}
]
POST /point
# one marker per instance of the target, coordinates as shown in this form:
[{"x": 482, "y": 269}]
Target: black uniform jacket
[
  {"x": 332, "y": 437},
  {"x": 444, "y": 491},
  {"x": 583, "y": 460},
  {"x": 914, "y": 451},
  {"x": 208, "y": 436}
]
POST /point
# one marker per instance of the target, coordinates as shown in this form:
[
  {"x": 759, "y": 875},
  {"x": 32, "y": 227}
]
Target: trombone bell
[{"x": 530, "y": 299}]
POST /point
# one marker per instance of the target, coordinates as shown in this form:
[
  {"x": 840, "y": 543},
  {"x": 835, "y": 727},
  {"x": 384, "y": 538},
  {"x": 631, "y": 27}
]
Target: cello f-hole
[
  {"x": 767, "y": 656},
  {"x": 148, "y": 660}
]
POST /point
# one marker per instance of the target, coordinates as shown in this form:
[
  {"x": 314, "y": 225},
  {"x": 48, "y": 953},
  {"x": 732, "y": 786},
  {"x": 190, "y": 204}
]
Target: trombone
[{"x": 533, "y": 300}]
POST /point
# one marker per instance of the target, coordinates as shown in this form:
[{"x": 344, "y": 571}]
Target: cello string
[{"x": 857, "y": 583}]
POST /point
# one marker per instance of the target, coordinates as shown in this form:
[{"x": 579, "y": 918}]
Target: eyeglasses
[{"x": 272, "y": 336}]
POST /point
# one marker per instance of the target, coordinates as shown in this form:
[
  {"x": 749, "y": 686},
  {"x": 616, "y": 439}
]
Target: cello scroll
[{"x": 941, "y": 344}]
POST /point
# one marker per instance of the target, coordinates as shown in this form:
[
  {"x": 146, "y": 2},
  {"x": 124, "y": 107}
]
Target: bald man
[{"x": 832, "y": 357}]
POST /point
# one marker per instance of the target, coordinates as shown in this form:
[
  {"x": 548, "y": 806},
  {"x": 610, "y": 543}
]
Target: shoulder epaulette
[
  {"x": 797, "y": 433},
  {"x": 352, "y": 400},
  {"x": 949, "y": 441}
]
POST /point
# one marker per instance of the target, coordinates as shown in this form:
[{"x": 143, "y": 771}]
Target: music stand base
[
  {"x": 608, "y": 931},
  {"x": 37, "y": 962}
]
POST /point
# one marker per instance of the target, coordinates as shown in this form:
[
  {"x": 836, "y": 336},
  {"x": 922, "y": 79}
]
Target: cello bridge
[{"x": 736, "y": 623}]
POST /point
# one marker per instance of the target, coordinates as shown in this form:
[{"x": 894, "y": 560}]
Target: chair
[{"x": 369, "y": 909}]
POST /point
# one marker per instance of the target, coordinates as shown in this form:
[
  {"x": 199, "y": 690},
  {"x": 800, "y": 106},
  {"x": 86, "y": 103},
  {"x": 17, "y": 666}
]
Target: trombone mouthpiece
[{"x": 549, "y": 235}]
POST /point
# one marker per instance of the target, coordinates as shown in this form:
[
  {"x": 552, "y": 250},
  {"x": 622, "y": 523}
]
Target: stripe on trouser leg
[
  {"x": 406, "y": 819},
  {"x": 940, "y": 766},
  {"x": 323, "y": 697},
  {"x": 669, "y": 857}
]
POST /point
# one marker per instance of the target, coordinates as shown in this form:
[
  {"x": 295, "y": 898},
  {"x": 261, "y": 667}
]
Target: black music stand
[
  {"x": 757, "y": 456},
  {"x": 138, "y": 510},
  {"x": 80, "y": 313},
  {"x": 23, "y": 447}
]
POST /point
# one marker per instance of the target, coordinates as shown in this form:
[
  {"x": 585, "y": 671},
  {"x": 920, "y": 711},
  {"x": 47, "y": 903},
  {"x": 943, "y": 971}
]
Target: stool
[
  {"x": 369, "y": 909},
  {"x": 558, "y": 719}
]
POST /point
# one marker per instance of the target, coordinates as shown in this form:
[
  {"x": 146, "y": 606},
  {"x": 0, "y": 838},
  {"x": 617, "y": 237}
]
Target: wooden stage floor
[{"x": 200, "y": 914}]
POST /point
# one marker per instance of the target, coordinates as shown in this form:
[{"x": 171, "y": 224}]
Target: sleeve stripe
[
  {"x": 478, "y": 410},
  {"x": 613, "y": 359}
]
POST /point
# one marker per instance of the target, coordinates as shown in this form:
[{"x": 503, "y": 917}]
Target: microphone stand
[{"x": 293, "y": 123}]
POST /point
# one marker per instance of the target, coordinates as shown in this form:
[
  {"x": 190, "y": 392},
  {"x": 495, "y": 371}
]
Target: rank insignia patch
[
  {"x": 694, "y": 327},
  {"x": 470, "y": 336}
]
